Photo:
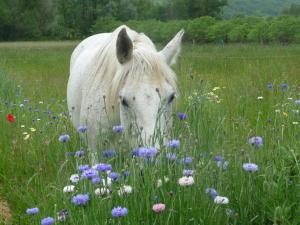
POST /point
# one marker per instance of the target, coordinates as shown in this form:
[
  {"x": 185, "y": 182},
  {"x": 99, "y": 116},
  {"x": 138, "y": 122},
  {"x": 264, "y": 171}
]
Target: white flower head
[
  {"x": 102, "y": 191},
  {"x": 126, "y": 189},
  {"x": 74, "y": 178},
  {"x": 69, "y": 188},
  {"x": 186, "y": 181},
  {"x": 221, "y": 200},
  {"x": 107, "y": 182},
  {"x": 159, "y": 183}
]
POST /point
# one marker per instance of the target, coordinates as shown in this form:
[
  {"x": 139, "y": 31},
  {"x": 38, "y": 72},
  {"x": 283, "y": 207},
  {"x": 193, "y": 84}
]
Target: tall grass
[{"x": 219, "y": 87}]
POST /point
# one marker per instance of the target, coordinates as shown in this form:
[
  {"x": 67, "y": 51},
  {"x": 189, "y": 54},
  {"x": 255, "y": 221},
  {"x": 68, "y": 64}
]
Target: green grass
[{"x": 34, "y": 171}]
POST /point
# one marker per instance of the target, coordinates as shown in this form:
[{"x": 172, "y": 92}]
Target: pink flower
[{"x": 159, "y": 208}]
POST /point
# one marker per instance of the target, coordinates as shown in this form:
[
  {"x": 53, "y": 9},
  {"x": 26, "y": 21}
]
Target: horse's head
[{"x": 147, "y": 86}]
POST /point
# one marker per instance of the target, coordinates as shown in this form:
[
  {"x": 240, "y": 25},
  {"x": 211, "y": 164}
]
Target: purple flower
[
  {"x": 96, "y": 180},
  {"x": 297, "y": 102},
  {"x": 118, "y": 129},
  {"x": 83, "y": 167},
  {"x": 89, "y": 174},
  {"x": 270, "y": 86},
  {"x": 119, "y": 212},
  {"x": 147, "y": 152},
  {"x": 187, "y": 160},
  {"x": 109, "y": 153},
  {"x": 103, "y": 167},
  {"x": 82, "y": 129},
  {"x": 173, "y": 144},
  {"x": 218, "y": 158},
  {"x": 47, "y": 221},
  {"x": 80, "y": 199},
  {"x": 250, "y": 167},
  {"x": 284, "y": 86},
  {"x": 182, "y": 116},
  {"x": 171, "y": 156},
  {"x": 256, "y": 141},
  {"x": 212, "y": 192},
  {"x": 64, "y": 138},
  {"x": 222, "y": 164},
  {"x": 126, "y": 173},
  {"x": 32, "y": 211},
  {"x": 114, "y": 176},
  {"x": 79, "y": 153},
  {"x": 135, "y": 152},
  {"x": 188, "y": 173}
]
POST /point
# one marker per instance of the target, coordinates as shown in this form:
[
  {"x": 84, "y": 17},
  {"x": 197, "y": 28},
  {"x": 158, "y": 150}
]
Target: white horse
[{"x": 120, "y": 78}]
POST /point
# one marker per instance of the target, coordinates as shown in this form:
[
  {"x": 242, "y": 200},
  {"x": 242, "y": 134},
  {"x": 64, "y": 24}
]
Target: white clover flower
[
  {"x": 74, "y": 178},
  {"x": 186, "y": 181},
  {"x": 102, "y": 191},
  {"x": 69, "y": 188},
  {"x": 126, "y": 189},
  {"x": 221, "y": 200},
  {"x": 159, "y": 183}
]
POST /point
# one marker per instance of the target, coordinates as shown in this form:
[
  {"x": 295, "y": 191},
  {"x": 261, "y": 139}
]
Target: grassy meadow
[{"x": 225, "y": 92}]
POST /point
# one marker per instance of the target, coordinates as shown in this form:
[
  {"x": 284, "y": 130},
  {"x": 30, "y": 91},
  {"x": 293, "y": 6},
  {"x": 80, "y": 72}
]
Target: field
[{"x": 229, "y": 93}]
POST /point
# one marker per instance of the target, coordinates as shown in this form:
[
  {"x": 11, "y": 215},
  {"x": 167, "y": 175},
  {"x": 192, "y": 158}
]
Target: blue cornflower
[
  {"x": 119, "y": 212},
  {"x": 114, "y": 176},
  {"x": 47, "y": 221},
  {"x": 270, "y": 86},
  {"x": 103, "y": 167},
  {"x": 173, "y": 144},
  {"x": 96, "y": 180},
  {"x": 32, "y": 211},
  {"x": 80, "y": 199},
  {"x": 126, "y": 173},
  {"x": 82, "y": 129},
  {"x": 187, "y": 160},
  {"x": 64, "y": 138},
  {"x": 79, "y": 153},
  {"x": 118, "y": 129},
  {"x": 135, "y": 152},
  {"x": 89, "y": 174},
  {"x": 256, "y": 141},
  {"x": 147, "y": 152},
  {"x": 182, "y": 116},
  {"x": 297, "y": 102},
  {"x": 109, "y": 153},
  {"x": 212, "y": 192},
  {"x": 284, "y": 87},
  {"x": 172, "y": 156},
  {"x": 250, "y": 167},
  {"x": 83, "y": 167},
  {"x": 218, "y": 158},
  {"x": 188, "y": 172}
]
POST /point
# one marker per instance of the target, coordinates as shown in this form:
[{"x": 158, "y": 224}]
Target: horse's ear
[
  {"x": 124, "y": 47},
  {"x": 171, "y": 51}
]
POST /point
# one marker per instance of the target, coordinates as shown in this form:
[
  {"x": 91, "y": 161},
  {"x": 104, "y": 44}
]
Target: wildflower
[
  {"x": 74, "y": 178},
  {"x": 126, "y": 173},
  {"x": 21, "y": 105},
  {"x": 109, "y": 153},
  {"x": 159, "y": 208},
  {"x": 212, "y": 192},
  {"x": 27, "y": 136},
  {"x": 187, "y": 160},
  {"x": 251, "y": 167},
  {"x": 69, "y": 189},
  {"x": 173, "y": 144},
  {"x": 126, "y": 189},
  {"x": 147, "y": 152},
  {"x": 96, "y": 180},
  {"x": 83, "y": 167},
  {"x": 80, "y": 199},
  {"x": 103, "y": 167},
  {"x": 218, "y": 158},
  {"x": 32, "y": 129},
  {"x": 64, "y": 138},
  {"x": 47, "y": 221},
  {"x": 221, "y": 200},
  {"x": 114, "y": 176},
  {"x": 295, "y": 123},
  {"x": 159, "y": 183},
  {"x": 222, "y": 164},
  {"x": 102, "y": 191},
  {"x": 89, "y": 174},
  {"x": 270, "y": 86},
  {"x": 188, "y": 173},
  {"x": 119, "y": 212},
  {"x": 297, "y": 102},
  {"x": 230, "y": 212},
  {"x": 171, "y": 156},
  {"x": 166, "y": 179},
  {"x": 82, "y": 129},
  {"x": 216, "y": 88},
  {"x": 32, "y": 211},
  {"x": 182, "y": 116},
  {"x": 256, "y": 141},
  {"x": 260, "y": 98},
  {"x": 186, "y": 181},
  {"x": 284, "y": 86},
  {"x": 62, "y": 215},
  {"x": 118, "y": 129},
  {"x": 79, "y": 153},
  {"x": 135, "y": 152},
  {"x": 10, "y": 118}
]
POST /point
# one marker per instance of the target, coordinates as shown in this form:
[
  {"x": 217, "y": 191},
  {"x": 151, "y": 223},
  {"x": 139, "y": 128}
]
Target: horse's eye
[
  {"x": 124, "y": 102},
  {"x": 171, "y": 98}
]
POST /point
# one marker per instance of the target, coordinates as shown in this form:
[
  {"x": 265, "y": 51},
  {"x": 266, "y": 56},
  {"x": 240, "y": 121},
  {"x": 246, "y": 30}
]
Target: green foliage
[{"x": 293, "y": 10}]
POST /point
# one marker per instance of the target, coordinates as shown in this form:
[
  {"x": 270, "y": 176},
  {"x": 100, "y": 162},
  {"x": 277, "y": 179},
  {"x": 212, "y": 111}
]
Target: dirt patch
[{"x": 5, "y": 213}]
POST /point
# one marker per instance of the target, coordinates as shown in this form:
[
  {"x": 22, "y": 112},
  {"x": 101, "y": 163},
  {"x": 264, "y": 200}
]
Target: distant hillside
[{"x": 256, "y": 7}]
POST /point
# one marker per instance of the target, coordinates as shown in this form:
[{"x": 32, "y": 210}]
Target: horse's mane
[{"x": 108, "y": 72}]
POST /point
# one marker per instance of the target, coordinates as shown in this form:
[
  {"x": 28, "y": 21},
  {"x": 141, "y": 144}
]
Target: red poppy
[{"x": 10, "y": 118}]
